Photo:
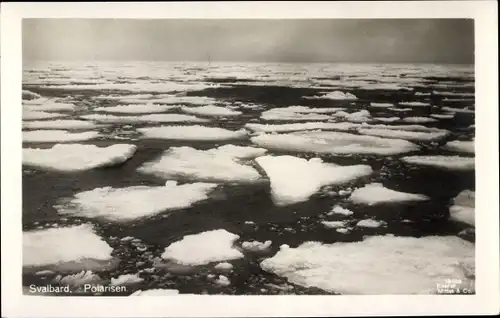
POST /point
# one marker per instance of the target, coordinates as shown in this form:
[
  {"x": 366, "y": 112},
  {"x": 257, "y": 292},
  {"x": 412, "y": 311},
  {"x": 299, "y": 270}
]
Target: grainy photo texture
[{"x": 248, "y": 157}]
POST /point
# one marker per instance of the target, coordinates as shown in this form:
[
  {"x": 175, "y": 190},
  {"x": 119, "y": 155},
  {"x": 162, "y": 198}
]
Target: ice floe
[
  {"x": 223, "y": 281},
  {"x": 156, "y": 292},
  {"x": 381, "y": 105},
  {"x": 211, "y": 111},
  {"x": 74, "y": 157},
  {"x": 336, "y": 95},
  {"x": 131, "y": 203},
  {"x": 333, "y": 142},
  {"x": 48, "y": 106},
  {"x": 60, "y": 124},
  {"x": 333, "y": 224},
  {"x": 444, "y": 162},
  {"x": 310, "y": 176},
  {"x": 460, "y": 146},
  {"x": 203, "y": 248},
  {"x": 300, "y": 126},
  {"x": 57, "y": 136},
  {"x": 54, "y": 248},
  {"x": 135, "y": 109},
  {"x": 417, "y": 120},
  {"x": 33, "y": 115},
  {"x": 359, "y": 117},
  {"x": 225, "y": 266},
  {"x": 458, "y": 110},
  {"x": 278, "y": 114},
  {"x": 404, "y": 134},
  {"x": 417, "y": 104},
  {"x": 79, "y": 279},
  {"x": 369, "y": 223},
  {"x": 219, "y": 164},
  {"x": 378, "y": 265},
  {"x": 256, "y": 246},
  {"x": 340, "y": 210},
  {"x": 443, "y": 116},
  {"x": 463, "y": 208},
  {"x": 195, "y": 132},
  {"x": 400, "y": 109},
  {"x": 158, "y": 118},
  {"x": 127, "y": 279},
  {"x": 376, "y": 193},
  {"x": 28, "y": 95},
  {"x": 387, "y": 119}
]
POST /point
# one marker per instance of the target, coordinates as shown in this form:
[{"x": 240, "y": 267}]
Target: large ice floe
[
  {"x": 443, "y": 162},
  {"x": 219, "y": 164},
  {"x": 378, "y": 265},
  {"x": 74, "y": 157},
  {"x": 376, "y": 193},
  {"x": 136, "y": 109},
  {"x": 463, "y": 207},
  {"x": 460, "y": 146},
  {"x": 34, "y": 115},
  {"x": 300, "y": 126},
  {"x": 65, "y": 249},
  {"x": 211, "y": 111},
  {"x": 310, "y": 176},
  {"x": 57, "y": 136},
  {"x": 195, "y": 132},
  {"x": 48, "y": 106},
  {"x": 60, "y": 124},
  {"x": 203, "y": 248},
  {"x": 132, "y": 203},
  {"x": 158, "y": 118},
  {"x": 336, "y": 95},
  {"x": 333, "y": 142}
]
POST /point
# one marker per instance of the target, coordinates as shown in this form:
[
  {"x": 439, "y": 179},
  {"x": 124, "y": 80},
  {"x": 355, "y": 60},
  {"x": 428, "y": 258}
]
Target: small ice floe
[
  {"x": 225, "y": 266},
  {"x": 387, "y": 119},
  {"x": 417, "y": 120},
  {"x": 203, "y": 248},
  {"x": 460, "y": 146},
  {"x": 311, "y": 175},
  {"x": 131, "y": 203},
  {"x": 370, "y": 223},
  {"x": 79, "y": 279},
  {"x": 376, "y": 193},
  {"x": 336, "y": 95},
  {"x": 458, "y": 110},
  {"x": 195, "y": 132},
  {"x": 44, "y": 273},
  {"x": 223, "y": 281},
  {"x": 77, "y": 157},
  {"x": 333, "y": 142},
  {"x": 135, "y": 109},
  {"x": 256, "y": 246},
  {"x": 127, "y": 238},
  {"x": 280, "y": 114},
  {"x": 211, "y": 111},
  {"x": 249, "y": 222},
  {"x": 417, "y": 104},
  {"x": 219, "y": 164},
  {"x": 443, "y": 116},
  {"x": 333, "y": 224},
  {"x": 60, "y": 124},
  {"x": 34, "y": 115},
  {"x": 156, "y": 292},
  {"x": 422, "y": 94},
  {"x": 381, "y": 105},
  {"x": 127, "y": 279},
  {"x": 343, "y": 230},
  {"x": 394, "y": 109},
  {"x": 361, "y": 116},
  {"x": 344, "y": 126},
  {"x": 151, "y": 118},
  {"x": 443, "y": 162},
  {"x": 404, "y": 134},
  {"x": 48, "y": 105},
  {"x": 57, "y": 136},
  {"x": 340, "y": 210},
  {"x": 409, "y": 265},
  {"x": 463, "y": 208},
  {"x": 54, "y": 248}
]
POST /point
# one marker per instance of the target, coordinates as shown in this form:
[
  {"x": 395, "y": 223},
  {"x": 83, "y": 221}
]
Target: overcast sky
[{"x": 336, "y": 40}]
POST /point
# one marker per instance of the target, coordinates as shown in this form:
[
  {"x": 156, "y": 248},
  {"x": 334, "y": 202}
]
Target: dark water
[{"x": 232, "y": 205}]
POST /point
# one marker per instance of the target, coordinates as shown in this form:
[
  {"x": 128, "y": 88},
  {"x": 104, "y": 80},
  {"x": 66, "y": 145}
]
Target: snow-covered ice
[
  {"x": 334, "y": 142},
  {"x": 135, "y": 109},
  {"x": 224, "y": 266},
  {"x": 223, "y": 281},
  {"x": 57, "y": 136},
  {"x": 74, "y": 157},
  {"x": 336, "y": 95},
  {"x": 158, "y": 118},
  {"x": 404, "y": 134},
  {"x": 211, "y": 111},
  {"x": 34, "y": 115},
  {"x": 378, "y": 265},
  {"x": 55, "y": 248},
  {"x": 131, "y": 203},
  {"x": 219, "y": 164},
  {"x": 127, "y": 279},
  {"x": 203, "y": 248},
  {"x": 376, "y": 193},
  {"x": 417, "y": 104},
  {"x": 60, "y": 124},
  {"x": 280, "y": 114},
  {"x": 340, "y": 210},
  {"x": 369, "y": 223},
  {"x": 256, "y": 246},
  {"x": 381, "y": 105},
  {"x": 458, "y": 110},
  {"x": 333, "y": 224},
  {"x": 300, "y": 126},
  {"x": 79, "y": 279},
  {"x": 443, "y": 116},
  {"x": 309, "y": 176},
  {"x": 195, "y": 132},
  {"x": 444, "y": 162},
  {"x": 417, "y": 120},
  {"x": 460, "y": 146},
  {"x": 463, "y": 207}
]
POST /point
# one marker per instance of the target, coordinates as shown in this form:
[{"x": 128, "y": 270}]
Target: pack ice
[
  {"x": 378, "y": 265},
  {"x": 203, "y": 248},
  {"x": 218, "y": 164},
  {"x": 309, "y": 176},
  {"x": 376, "y": 193},
  {"x": 54, "y": 248},
  {"x": 333, "y": 142},
  {"x": 74, "y": 157},
  {"x": 132, "y": 203}
]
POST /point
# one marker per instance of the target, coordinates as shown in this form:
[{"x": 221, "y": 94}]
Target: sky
[{"x": 319, "y": 40}]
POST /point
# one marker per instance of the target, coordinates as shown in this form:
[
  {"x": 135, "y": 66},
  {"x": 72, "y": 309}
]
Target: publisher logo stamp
[{"x": 454, "y": 286}]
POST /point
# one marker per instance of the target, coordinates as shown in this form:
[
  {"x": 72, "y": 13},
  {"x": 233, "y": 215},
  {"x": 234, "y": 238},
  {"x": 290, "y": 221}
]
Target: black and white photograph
[{"x": 248, "y": 157}]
